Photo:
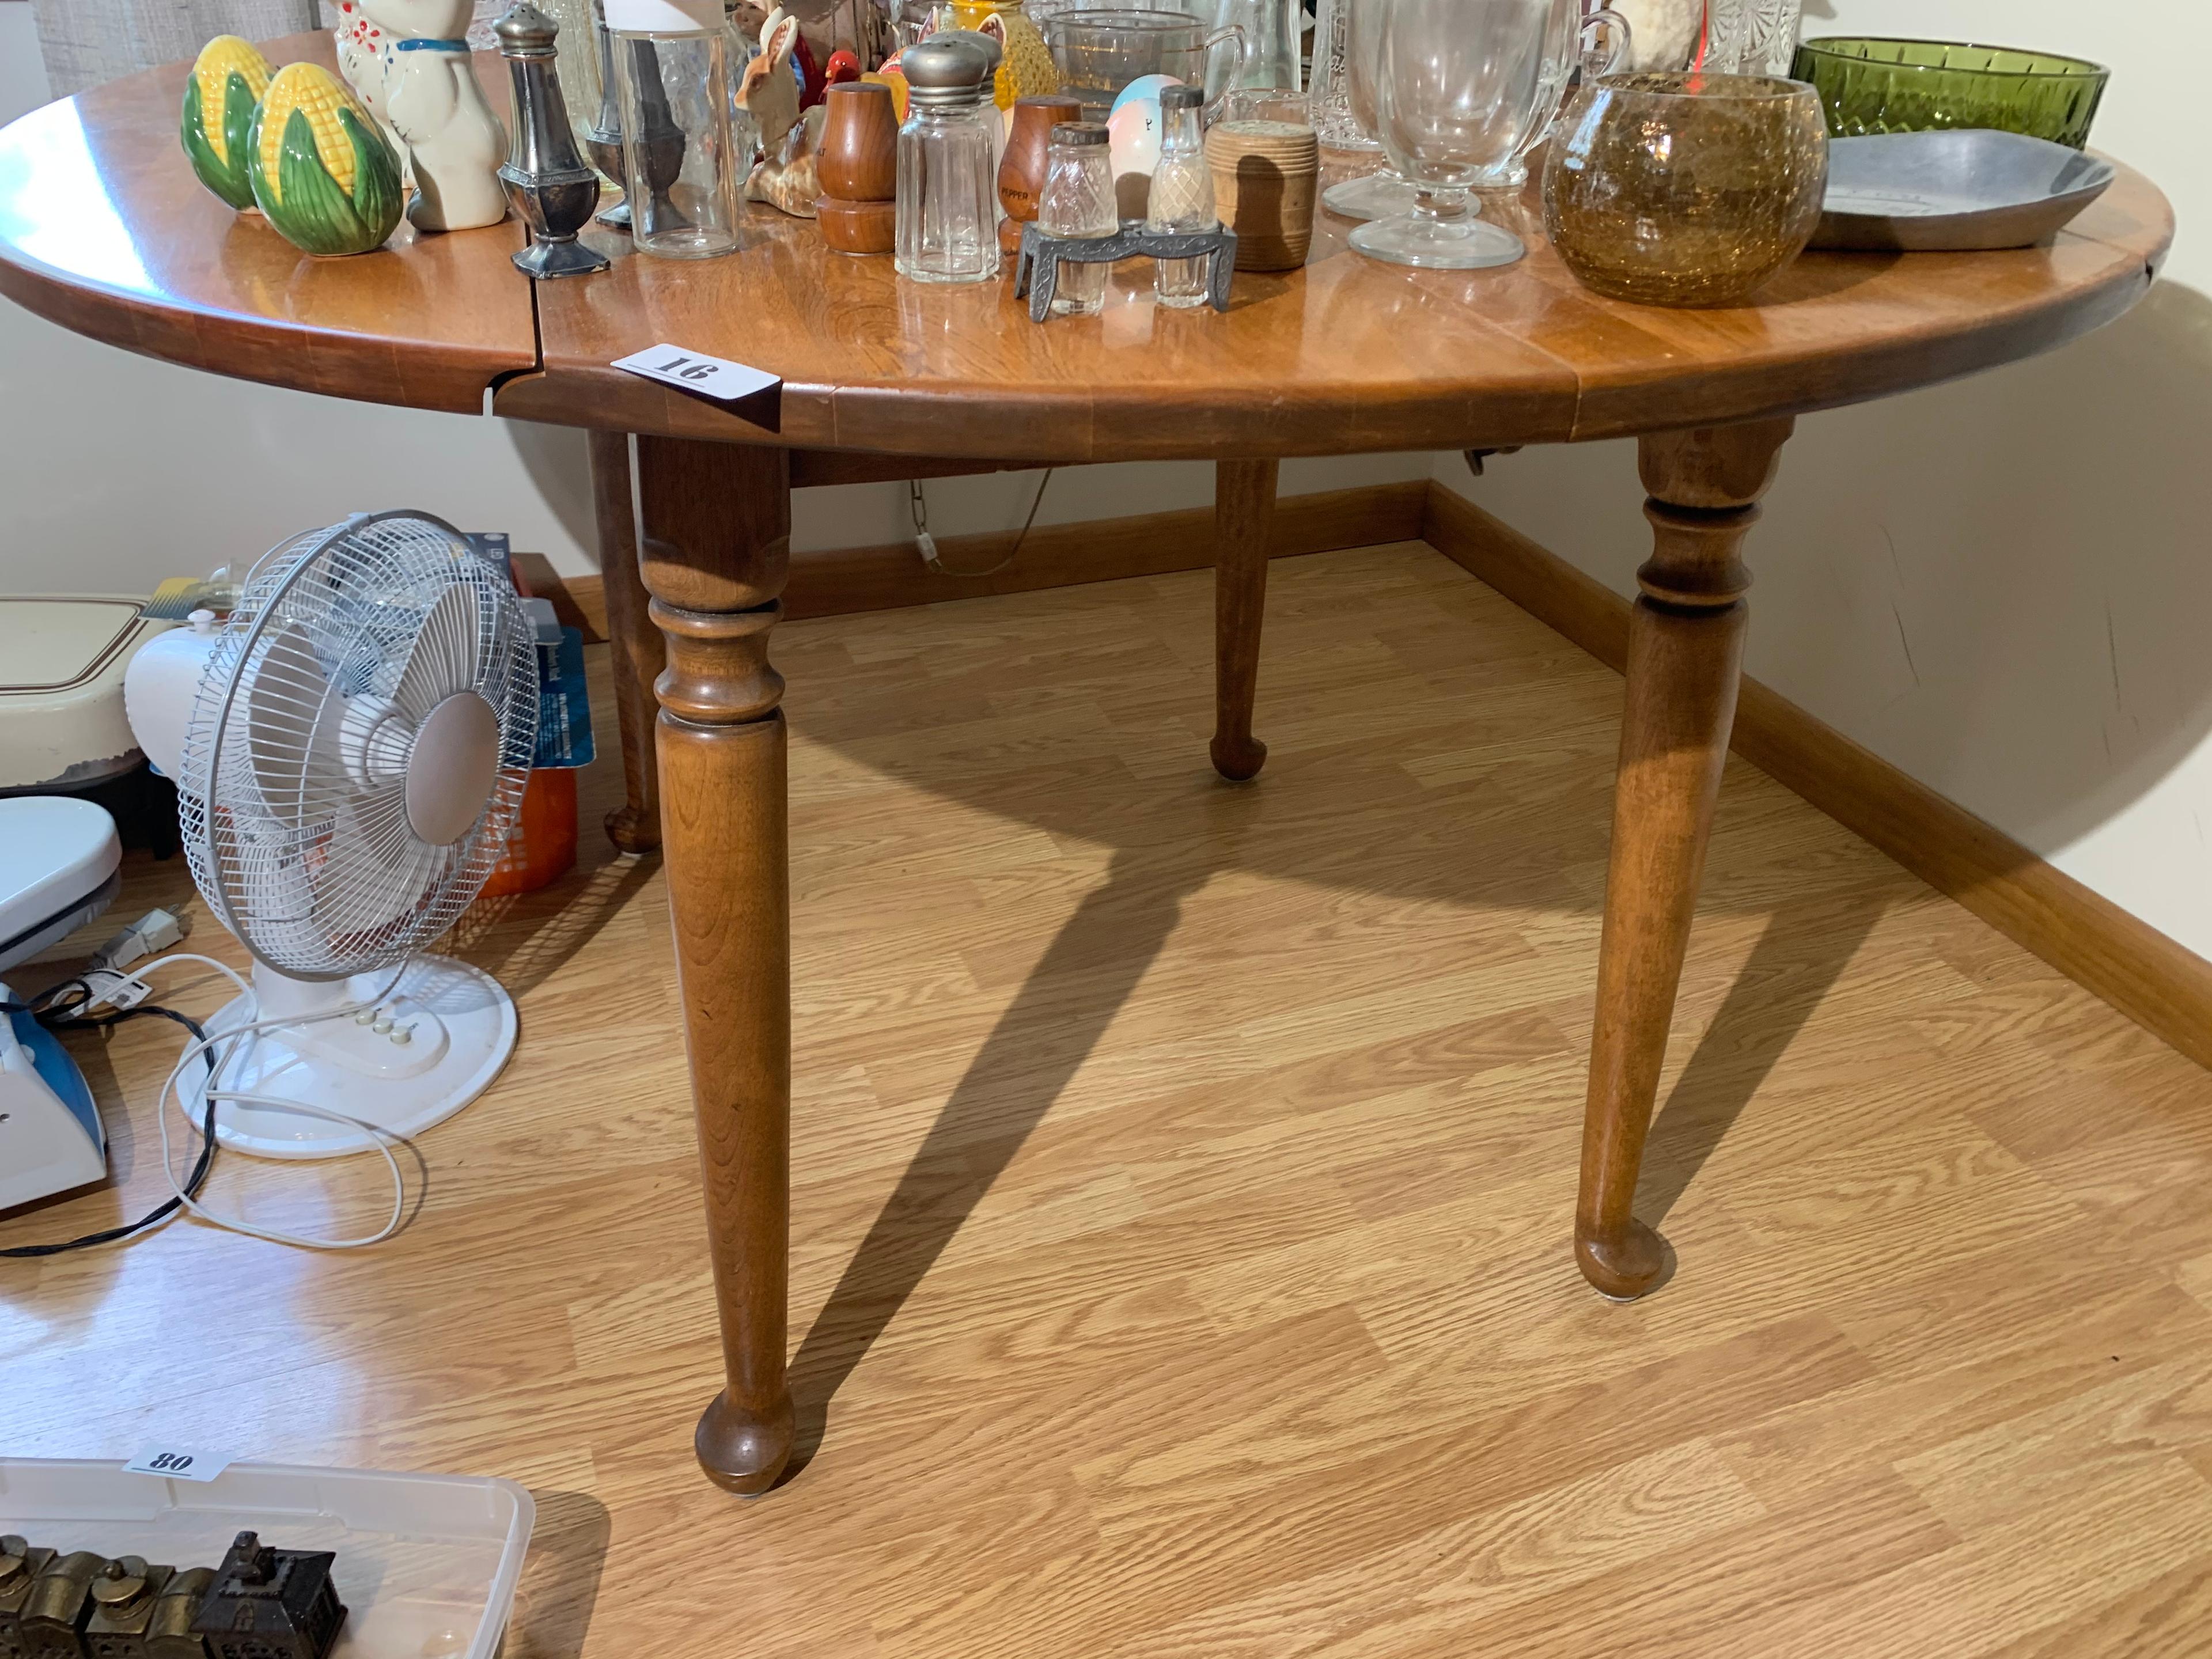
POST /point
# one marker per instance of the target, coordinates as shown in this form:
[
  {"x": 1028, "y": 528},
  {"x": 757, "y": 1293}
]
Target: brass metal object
[
  {"x": 125, "y": 1596},
  {"x": 170, "y": 1633},
  {"x": 59, "y": 1603},
  {"x": 21, "y": 1563},
  {"x": 1686, "y": 190}
]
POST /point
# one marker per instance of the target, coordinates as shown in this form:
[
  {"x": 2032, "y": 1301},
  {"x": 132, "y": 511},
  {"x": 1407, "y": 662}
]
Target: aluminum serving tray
[{"x": 1963, "y": 190}]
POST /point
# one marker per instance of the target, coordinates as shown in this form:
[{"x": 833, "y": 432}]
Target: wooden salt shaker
[
  {"x": 858, "y": 168},
  {"x": 1266, "y": 174},
  {"x": 1021, "y": 167}
]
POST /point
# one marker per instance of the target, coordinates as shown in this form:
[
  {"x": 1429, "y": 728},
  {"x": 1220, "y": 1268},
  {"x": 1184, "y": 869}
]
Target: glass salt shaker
[
  {"x": 1181, "y": 197},
  {"x": 1077, "y": 200},
  {"x": 680, "y": 164},
  {"x": 947, "y": 217}
]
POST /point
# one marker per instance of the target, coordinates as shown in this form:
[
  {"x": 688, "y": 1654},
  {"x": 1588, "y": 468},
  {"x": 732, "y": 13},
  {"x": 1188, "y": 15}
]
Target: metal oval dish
[{"x": 1952, "y": 192}]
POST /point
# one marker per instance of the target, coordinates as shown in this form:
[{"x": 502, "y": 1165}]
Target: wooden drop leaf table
[{"x": 103, "y": 230}]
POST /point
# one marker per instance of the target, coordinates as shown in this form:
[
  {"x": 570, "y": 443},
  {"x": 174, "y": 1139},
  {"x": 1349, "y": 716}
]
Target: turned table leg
[
  {"x": 1243, "y": 516},
  {"x": 632, "y": 643},
  {"x": 1685, "y": 656},
  {"x": 717, "y": 524}
]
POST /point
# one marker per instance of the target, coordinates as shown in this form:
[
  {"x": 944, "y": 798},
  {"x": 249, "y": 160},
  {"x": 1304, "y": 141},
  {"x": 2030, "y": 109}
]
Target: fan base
[{"x": 478, "y": 1017}]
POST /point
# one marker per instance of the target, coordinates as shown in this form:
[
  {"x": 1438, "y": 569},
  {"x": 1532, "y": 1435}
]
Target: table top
[{"x": 103, "y": 228}]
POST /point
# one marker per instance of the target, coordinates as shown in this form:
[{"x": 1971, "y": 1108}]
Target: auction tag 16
[
  {"x": 695, "y": 371},
  {"x": 178, "y": 1464}
]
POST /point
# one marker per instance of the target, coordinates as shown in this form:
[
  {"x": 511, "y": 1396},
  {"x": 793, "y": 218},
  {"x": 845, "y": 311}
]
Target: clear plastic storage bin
[{"x": 427, "y": 1563}]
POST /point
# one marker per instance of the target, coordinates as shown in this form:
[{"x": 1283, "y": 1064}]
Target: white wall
[{"x": 2002, "y": 585}]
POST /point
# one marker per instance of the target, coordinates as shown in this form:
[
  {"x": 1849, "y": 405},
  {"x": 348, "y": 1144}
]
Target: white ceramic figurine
[
  {"x": 432, "y": 97},
  {"x": 360, "y": 60}
]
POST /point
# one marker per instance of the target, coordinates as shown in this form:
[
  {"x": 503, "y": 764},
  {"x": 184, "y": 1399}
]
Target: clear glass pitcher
[{"x": 1099, "y": 52}]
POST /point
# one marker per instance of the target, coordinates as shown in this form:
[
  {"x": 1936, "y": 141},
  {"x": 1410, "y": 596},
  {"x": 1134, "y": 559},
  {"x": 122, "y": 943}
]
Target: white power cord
[{"x": 198, "y": 1047}]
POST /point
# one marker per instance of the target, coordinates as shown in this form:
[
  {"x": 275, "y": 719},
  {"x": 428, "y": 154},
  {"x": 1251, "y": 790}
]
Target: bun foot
[
  {"x": 1238, "y": 760},
  {"x": 743, "y": 1451},
  {"x": 633, "y": 831},
  {"x": 1634, "y": 1265}
]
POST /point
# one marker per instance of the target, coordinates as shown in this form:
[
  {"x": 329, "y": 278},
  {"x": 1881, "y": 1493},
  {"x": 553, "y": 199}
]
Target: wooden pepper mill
[
  {"x": 1021, "y": 168},
  {"x": 858, "y": 168}
]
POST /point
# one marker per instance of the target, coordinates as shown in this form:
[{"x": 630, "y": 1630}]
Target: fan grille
[{"x": 293, "y": 787}]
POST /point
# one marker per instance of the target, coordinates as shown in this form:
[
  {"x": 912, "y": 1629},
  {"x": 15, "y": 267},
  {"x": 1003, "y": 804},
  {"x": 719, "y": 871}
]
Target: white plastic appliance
[
  {"x": 350, "y": 750},
  {"x": 59, "y": 863}
]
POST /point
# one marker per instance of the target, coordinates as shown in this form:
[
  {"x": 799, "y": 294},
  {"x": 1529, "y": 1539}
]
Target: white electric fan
[{"x": 349, "y": 751}]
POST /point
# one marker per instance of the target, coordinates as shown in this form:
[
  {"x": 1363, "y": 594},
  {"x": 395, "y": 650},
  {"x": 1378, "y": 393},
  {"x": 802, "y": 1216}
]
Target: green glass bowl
[{"x": 1869, "y": 85}]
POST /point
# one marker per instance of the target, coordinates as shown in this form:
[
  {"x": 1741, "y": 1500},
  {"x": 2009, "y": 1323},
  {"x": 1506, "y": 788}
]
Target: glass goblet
[
  {"x": 1456, "y": 82},
  {"x": 1381, "y": 194}
]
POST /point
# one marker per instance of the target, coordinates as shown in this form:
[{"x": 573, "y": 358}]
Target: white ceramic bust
[
  {"x": 1663, "y": 33},
  {"x": 432, "y": 97}
]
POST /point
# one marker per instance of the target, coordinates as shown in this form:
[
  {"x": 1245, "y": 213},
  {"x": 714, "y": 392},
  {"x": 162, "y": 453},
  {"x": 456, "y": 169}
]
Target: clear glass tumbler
[
  {"x": 1329, "y": 92},
  {"x": 681, "y": 165},
  {"x": 1077, "y": 200},
  {"x": 1458, "y": 85}
]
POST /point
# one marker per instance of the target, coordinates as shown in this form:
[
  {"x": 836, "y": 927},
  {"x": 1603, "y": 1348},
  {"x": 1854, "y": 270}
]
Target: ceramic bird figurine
[
  {"x": 432, "y": 96},
  {"x": 785, "y": 177}
]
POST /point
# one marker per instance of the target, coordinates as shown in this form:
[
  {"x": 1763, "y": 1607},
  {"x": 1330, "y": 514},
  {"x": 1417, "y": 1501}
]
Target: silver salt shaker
[
  {"x": 947, "y": 217},
  {"x": 548, "y": 184}
]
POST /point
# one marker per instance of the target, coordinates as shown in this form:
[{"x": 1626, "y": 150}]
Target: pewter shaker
[{"x": 547, "y": 182}]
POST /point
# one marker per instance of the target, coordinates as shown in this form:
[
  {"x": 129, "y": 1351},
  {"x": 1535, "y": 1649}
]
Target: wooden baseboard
[
  {"x": 2163, "y": 987},
  {"x": 837, "y": 581}
]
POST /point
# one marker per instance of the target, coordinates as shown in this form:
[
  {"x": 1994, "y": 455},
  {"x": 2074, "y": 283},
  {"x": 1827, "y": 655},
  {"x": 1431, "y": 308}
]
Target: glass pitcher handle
[
  {"x": 1226, "y": 32},
  {"x": 1593, "y": 61},
  {"x": 1606, "y": 60}
]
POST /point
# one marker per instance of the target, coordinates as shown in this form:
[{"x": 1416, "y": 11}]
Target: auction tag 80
[{"x": 175, "y": 1463}]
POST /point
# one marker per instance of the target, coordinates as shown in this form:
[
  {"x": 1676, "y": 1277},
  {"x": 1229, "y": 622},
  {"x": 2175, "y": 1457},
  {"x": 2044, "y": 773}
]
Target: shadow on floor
[
  {"x": 1056, "y": 1018},
  {"x": 560, "y": 1583},
  {"x": 1800, "y": 956}
]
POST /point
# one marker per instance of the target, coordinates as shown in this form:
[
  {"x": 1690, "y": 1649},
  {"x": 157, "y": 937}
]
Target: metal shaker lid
[
  {"x": 1074, "y": 134},
  {"x": 526, "y": 32},
  {"x": 945, "y": 69}
]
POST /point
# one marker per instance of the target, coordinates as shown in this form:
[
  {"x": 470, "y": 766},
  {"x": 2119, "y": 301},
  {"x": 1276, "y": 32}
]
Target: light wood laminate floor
[{"x": 1184, "y": 1180}]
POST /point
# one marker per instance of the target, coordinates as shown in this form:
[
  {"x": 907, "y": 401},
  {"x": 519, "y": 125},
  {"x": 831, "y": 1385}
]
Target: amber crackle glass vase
[{"x": 1686, "y": 190}]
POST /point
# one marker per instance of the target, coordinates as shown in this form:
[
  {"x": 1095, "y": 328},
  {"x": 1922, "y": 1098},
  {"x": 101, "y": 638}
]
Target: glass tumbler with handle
[
  {"x": 1571, "y": 46},
  {"x": 1384, "y": 194},
  {"x": 1458, "y": 86}
]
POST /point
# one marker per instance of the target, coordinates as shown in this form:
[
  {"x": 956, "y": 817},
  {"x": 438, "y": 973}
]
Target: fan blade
[
  {"x": 375, "y": 872},
  {"x": 292, "y": 713},
  {"x": 444, "y": 655}
]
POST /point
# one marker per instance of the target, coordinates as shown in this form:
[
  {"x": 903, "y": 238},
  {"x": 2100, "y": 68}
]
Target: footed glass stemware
[{"x": 1457, "y": 86}]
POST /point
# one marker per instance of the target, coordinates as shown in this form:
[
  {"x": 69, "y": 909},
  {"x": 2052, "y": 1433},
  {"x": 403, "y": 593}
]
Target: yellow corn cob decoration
[
  {"x": 227, "y": 79},
  {"x": 320, "y": 167},
  {"x": 317, "y": 92}
]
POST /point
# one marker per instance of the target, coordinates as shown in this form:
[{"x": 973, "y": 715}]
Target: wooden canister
[
  {"x": 1021, "y": 168},
  {"x": 1266, "y": 174}
]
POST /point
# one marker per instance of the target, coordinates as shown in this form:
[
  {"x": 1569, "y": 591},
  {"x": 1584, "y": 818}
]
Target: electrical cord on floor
[
  {"x": 50, "y": 1011},
  {"x": 918, "y": 509}
]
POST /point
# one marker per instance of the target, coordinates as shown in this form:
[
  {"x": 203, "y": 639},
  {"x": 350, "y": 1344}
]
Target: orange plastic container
[{"x": 543, "y": 847}]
